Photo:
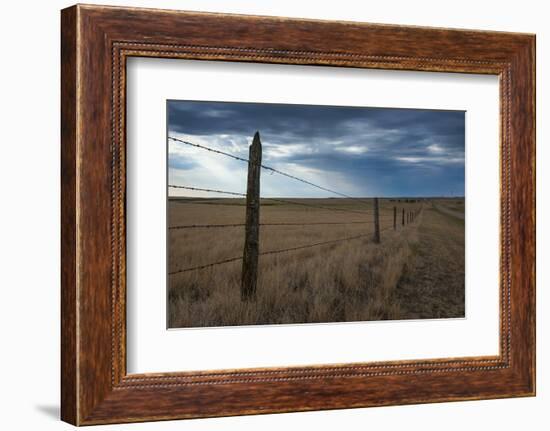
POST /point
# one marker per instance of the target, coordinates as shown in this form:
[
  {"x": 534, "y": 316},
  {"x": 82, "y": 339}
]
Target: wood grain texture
[
  {"x": 69, "y": 366},
  {"x": 96, "y": 41}
]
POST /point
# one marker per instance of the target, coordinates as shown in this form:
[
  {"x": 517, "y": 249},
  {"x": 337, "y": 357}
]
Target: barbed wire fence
[{"x": 251, "y": 252}]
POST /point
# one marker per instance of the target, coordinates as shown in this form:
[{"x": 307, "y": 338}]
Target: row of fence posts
[
  {"x": 251, "y": 251},
  {"x": 406, "y": 218}
]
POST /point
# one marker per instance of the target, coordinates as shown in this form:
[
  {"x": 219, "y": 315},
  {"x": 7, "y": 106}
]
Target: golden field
[{"x": 416, "y": 272}]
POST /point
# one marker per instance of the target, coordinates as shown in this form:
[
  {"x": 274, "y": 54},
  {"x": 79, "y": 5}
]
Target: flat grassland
[{"x": 416, "y": 272}]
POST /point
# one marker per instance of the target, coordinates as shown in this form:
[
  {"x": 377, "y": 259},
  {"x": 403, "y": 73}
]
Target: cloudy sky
[{"x": 356, "y": 151}]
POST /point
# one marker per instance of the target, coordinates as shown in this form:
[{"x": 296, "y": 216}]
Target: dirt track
[{"x": 432, "y": 284}]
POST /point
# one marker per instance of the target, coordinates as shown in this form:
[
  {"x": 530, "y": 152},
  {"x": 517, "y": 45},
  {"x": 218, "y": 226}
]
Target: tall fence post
[
  {"x": 376, "y": 222},
  {"x": 252, "y": 227},
  {"x": 403, "y": 217},
  {"x": 394, "y": 218}
]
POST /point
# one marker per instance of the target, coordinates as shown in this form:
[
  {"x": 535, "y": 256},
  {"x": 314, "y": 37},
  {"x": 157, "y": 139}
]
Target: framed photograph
[
  {"x": 326, "y": 256},
  {"x": 265, "y": 215}
]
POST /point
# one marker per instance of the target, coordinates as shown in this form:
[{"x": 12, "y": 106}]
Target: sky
[{"x": 357, "y": 151}]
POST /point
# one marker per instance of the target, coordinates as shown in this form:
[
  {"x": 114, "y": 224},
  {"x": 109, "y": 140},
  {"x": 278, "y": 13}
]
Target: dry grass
[
  {"x": 348, "y": 281},
  {"x": 432, "y": 284}
]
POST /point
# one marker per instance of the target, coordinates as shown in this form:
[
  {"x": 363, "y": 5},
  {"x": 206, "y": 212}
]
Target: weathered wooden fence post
[
  {"x": 376, "y": 222},
  {"x": 403, "y": 217},
  {"x": 394, "y": 218},
  {"x": 252, "y": 228}
]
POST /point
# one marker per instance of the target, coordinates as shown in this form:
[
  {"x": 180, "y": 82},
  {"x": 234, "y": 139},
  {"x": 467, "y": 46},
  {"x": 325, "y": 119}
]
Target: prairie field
[{"x": 416, "y": 272}]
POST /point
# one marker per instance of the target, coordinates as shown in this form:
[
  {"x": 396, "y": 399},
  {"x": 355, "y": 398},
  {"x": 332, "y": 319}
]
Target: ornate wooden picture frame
[{"x": 96, "y": 41}]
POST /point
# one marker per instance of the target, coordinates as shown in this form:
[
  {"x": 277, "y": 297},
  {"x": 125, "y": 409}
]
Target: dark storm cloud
[
  {"x": 398, "y": 151},
  {"x": 204, "y": 118}
]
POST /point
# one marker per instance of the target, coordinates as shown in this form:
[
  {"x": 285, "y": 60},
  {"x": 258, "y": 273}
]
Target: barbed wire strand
[
  {"x": 272, "y": 252},
  {"x": 284, "y": 201},
  {"x": 269, "y": 168},
  {"x": 265, "y": 198},
  {"x": 208, "y": 265},
  {"x": 198, "y": 189},
  {"x": 214, "y": 202},
  {"x": 208, "y": 226}
]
